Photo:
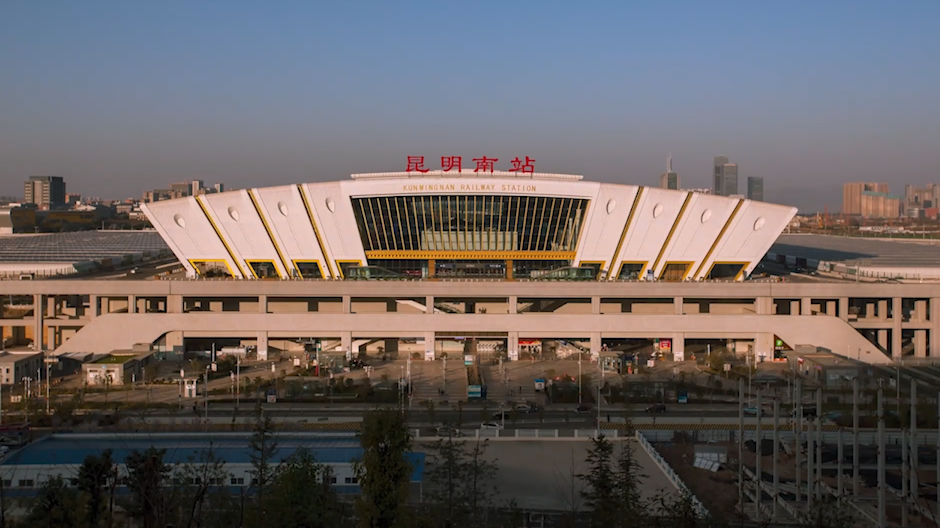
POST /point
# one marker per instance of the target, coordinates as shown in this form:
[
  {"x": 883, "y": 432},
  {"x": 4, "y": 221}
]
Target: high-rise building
[
  {"x": 870, "y": 200},
  {"x": 219, "y": 187},
  {"x": 669, "y": 179},
  {"x": 755, "y": 188},
  {"x": 45, "y": 191},
  {"x": 720, "y": 162},
  {"x": 729, "y": 179},
  {"x": 179, "y": 190},
  {"x": 196, "y": 186}
]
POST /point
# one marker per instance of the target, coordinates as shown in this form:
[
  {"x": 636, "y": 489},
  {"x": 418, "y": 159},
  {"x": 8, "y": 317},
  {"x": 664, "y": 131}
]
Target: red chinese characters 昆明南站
[
  {"x": 416, "y": 164},
  {"x": 484, "y": 164},
  {"x": 527, "y": 167},
  {"x": 450, "y": 162}
]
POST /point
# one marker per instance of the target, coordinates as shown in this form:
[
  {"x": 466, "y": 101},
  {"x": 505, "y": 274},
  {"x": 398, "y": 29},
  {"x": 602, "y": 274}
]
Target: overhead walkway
[{"x": 121, "y": 331}]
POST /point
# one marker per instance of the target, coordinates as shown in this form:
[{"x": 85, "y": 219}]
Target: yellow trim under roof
[
  {"x": 218, "y": 233},
  {"x": 254, "y": 202},
  {"x": 589, "y": 262},
  {"x": 347, "y": 261},
  {"x": 721, "y": 235},
  {"x": 672, "y": 231},
  {"x": 316, "y": 230},
  {"x": 465, "y": 255},
  {"x": 645, "y": 264},
  {"x": 685, "y": 274},
  {"x": 737, "y": 276},
  {"x": 193, "y": 262},
  {"x": 626, "y": 227},
  {"x": 300, "y": 261}
]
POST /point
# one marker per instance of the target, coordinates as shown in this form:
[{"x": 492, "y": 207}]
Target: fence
[{"x": 670, "y": 473}]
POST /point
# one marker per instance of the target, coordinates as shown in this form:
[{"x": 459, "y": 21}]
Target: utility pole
[
  {"x": 207, "y": 394},
  {"x": 818, "y": 482},
  {"x": 776, "y": 448},
  {"x": 798, "y": 398},
  {"x": 579, "y": 376},
  {"x": 741, "y": 444},
  {"x": 882, "y": 519},
  {"x": 855, "y": 449},
  {"x": 914, "y": 485},
  {"x": 757, "y": 457}
]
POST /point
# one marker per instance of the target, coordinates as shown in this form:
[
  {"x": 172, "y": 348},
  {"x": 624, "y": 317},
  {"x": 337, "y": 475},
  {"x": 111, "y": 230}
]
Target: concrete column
[
  {"x": 920, "y": 343},
  {"x": 678, "y": 346},
  {"x": 896, "y": 333},
  {"x": 262, "y": 345},
  {"x": 806, "y": 306},
  {"x": 794, "y": 307},
  {"x": 347, "y": 304},
  {"x": 391, "y": 345},
  {"x": 596, "y": 343},
  {"x": 764, "y": 342},
  {"x": 93, "y": 308},
  {"x": 831, "y": 308},
  {"x": 174, "y": 304},
  {"x": 38, "y": 307},
  {"x": 513, "y": 304},
  {"x": 921, "y": 314},
  {"x": 844, "y": 308},
  {"x": 51, "y": 305},
  {"x": 512, "y": 344},
  {"x": 595, "y": 305},
  {"x": 870, "y": 310},
  {"x": 678, "y": 303},
  {"x": 883, "y": 309},
  {"x": 430, "y": 344},
  {"x": 51, "y": 332},
  {"x": 131, "y": 304},
  {"x": 883, "y": 340},
  {"x": 263, "y": 304},
  {"x": 429, "y": 304},
  {"x": 764, "y": 305},
  {"x": 346, "y": 340},
  {"x": 935, "y": 327}
]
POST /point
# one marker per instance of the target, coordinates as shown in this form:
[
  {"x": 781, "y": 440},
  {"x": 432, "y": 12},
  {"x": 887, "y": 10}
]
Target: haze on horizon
[{"x": 119, "y": 97}]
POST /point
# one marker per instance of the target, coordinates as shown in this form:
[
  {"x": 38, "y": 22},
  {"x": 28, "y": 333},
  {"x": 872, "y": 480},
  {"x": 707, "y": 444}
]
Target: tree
[
  {"x": 480, "y": 473},
  {"x": 459, "y": 482},
  {"x": 629, "y": 479},
  {"x": 302, "y": 495},
  {"x": 263, "y": 448},
  {"x": 196, "y": 479},
  {"x": 146, "y": 475},
  {"x": 56, "y": 505},
  {"x": 600, "y": 494},
  {"x": 97, "y": 478},
  {"x": 384, "y": 471}
]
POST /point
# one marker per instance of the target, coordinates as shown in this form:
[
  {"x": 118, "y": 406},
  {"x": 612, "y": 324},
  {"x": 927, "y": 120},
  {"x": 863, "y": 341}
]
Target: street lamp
[{"x": 207, "y": 392}]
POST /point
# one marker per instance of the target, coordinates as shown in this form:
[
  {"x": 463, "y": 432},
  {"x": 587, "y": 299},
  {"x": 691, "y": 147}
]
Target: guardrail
[{"x": 670, "y": 473}]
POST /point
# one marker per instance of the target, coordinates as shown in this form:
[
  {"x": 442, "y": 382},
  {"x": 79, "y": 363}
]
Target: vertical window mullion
[
  {"x": 525, "y": 217},
  {"x": 365, "y": 223},
  {"x": 500, "y": 239},
  {"x": 411, "y": 241}
]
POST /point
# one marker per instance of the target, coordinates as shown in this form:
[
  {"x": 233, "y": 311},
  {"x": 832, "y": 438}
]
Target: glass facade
[{"x": 469, "y": 223}]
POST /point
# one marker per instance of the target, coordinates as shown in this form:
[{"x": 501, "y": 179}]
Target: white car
[{"x": 490, "y": 425}]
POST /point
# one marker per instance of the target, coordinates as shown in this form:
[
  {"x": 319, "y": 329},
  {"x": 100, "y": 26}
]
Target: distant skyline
[{"x": 121, "y": 97}]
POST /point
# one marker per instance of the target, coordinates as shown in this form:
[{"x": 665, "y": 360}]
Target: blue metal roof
[{"x": 232, "y": 449}]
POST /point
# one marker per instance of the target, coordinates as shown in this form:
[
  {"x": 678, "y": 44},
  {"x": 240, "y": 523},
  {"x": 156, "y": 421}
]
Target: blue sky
[{"x": 120, "y": 96}]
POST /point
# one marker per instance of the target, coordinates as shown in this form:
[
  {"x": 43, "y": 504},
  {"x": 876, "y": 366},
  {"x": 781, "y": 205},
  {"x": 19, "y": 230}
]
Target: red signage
[{"x": 484, "y": 164}]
